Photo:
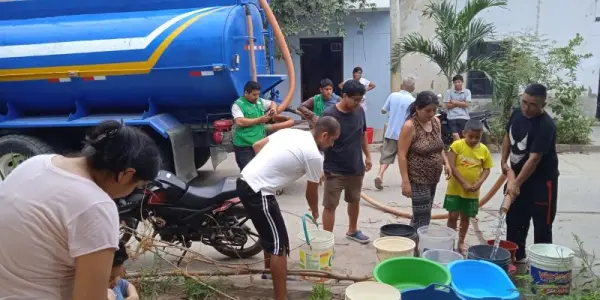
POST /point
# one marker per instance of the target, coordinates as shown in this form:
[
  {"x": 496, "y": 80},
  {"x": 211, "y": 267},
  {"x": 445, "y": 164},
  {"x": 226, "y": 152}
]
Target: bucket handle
[
  {"x": 440, "y": 287},
  {"x": 306, "y": 230}
]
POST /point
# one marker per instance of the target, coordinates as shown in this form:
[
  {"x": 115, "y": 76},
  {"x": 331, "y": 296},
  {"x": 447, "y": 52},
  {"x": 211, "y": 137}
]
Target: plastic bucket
[
  {"x": 370, "y": 133},
  {"x": 433, "y": 292},
  {"x": 508, "y": 245},
  {"x": 317, "y": 251},
  {"x": 484, "y": 252},
  {"x": 402, "y": 230},
  {"x": 444, "y": 257},
  {"x": 409, "y": 273},
  {"x": 370, "y": 290},
  {"x": 551, "y": 267},
  {"x": 393, "y": 246},
  {"x": 436, "y": 237}
]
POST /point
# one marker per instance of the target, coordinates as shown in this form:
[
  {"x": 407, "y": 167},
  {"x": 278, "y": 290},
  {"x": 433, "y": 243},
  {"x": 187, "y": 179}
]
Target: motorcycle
[
  {"x": 483, "y": 116},
  {"x": 180, "y": 213}
]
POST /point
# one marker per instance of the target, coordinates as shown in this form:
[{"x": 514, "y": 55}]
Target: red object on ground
[
  {"x": 370, "y": 135},
  {"x": 510, "y": 246},
  {"x": 512, "y": 271}
]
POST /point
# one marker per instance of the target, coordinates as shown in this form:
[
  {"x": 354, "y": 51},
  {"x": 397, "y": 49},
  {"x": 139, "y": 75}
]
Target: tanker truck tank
[{"x": 166, "y": 66}]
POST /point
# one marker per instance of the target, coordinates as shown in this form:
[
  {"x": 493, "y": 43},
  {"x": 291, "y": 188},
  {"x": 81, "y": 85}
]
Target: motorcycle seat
[{"x": 205, "y": 196}]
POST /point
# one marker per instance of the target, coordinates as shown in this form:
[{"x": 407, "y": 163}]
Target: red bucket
[
  {"x": 370, "y": 135},
  {"x": 510, "y": 246}
]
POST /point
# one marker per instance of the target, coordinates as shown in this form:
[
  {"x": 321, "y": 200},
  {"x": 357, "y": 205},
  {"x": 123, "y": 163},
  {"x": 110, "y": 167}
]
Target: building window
[{"x": 479, "y": 85}]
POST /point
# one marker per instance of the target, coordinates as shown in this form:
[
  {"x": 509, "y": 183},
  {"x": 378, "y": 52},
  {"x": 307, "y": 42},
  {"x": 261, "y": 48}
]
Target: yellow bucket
[{"x": 394, "y": 246}]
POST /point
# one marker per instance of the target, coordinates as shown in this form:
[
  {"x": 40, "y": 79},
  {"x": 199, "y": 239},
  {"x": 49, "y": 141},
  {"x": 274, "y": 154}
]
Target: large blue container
[
  {"x": 481, "y": 280},
  {"x": 433, "y": 292},
  {"x": 65, "y": 57}
]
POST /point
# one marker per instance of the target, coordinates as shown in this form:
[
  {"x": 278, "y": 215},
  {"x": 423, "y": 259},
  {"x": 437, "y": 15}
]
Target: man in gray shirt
[{"x": 457, "y": 103}]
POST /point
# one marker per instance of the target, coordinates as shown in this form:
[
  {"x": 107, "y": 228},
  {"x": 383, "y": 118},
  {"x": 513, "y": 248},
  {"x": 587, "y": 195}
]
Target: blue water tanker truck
[{"x": 170, "y": 67}]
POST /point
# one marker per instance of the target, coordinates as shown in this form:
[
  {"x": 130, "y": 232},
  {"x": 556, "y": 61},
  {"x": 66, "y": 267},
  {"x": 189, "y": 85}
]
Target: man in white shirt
[
  {"x": 397, "y": 105},
  {"x": 369, "y": 85},
  {"x": 282, "y": 158}
]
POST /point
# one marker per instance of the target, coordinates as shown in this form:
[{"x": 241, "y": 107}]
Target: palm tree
[{"x": 456, "y": 32}]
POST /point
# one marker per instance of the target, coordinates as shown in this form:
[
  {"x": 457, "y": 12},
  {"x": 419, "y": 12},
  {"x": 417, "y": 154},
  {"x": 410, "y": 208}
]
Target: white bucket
[
  {"x": 319, "y": 255},
  {"x": 394, "y": 246},
  {"x": 370, "y": 290},
  {"x": 551, "y": 268},
  {"x": 436, "y": 237}
]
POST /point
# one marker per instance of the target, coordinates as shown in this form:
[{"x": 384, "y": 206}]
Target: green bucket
[{"x": 408, "y": 273}]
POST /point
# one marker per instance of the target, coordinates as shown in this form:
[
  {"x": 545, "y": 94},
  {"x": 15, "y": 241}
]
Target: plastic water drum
[
  {"x": 436, "y": 237},
  {"x": 551, "y": 267},
  {"x": 370, "y": 290},
  {"x": 393, "y": 246},
  {"x": 317, "y": 252}
]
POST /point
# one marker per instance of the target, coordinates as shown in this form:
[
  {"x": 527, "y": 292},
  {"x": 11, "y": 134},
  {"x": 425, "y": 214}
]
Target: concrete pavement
[{"x": 578, "y": 213}]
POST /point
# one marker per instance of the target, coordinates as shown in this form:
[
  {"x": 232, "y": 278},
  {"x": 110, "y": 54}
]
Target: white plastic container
[
  {"x": 436, "y": 237},
  {"x": 394, "y": 246},
  {"x": 551, "y": 267},
  {"x": 370, "y": 290},
  {"x": 319, "y": 255},
  {"x": 441, "y": 256}
]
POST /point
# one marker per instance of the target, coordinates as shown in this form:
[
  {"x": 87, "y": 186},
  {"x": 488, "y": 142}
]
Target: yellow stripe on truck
[{"x": 125, "y": 68}]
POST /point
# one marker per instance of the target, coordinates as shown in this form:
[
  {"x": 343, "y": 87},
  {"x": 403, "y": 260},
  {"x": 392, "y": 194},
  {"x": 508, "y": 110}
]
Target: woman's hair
[
  {"x": 423, "y": 99},
  {"x": 120, "y": 255},
  {"x": 113, "y": 147}
]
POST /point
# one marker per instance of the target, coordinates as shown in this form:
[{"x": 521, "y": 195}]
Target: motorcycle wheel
[
  {"x": 243, "y": 252},
  {"x": 125, "y": 233}
]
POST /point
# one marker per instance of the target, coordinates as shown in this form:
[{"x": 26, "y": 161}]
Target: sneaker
[{"x": 358, "y": 236}]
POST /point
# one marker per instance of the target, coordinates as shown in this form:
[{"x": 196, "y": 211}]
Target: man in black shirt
[
  {"x": 530, "y": 143},
  {"x": 343, "y": 166}
]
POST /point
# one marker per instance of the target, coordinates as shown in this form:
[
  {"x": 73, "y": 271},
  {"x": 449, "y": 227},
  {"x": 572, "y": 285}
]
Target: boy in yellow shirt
[{"x": 471, "y": 162}]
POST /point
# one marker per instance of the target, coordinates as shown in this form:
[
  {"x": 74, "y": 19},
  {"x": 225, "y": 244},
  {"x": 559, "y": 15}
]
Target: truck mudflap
[{"x": 182, "y": 146}]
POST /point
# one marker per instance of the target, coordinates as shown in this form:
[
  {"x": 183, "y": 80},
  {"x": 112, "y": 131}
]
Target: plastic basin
[
  {"x": 432, "y": 292},
  {"x": 407, "y": 273},
  {"x": 479, "y": 279}
]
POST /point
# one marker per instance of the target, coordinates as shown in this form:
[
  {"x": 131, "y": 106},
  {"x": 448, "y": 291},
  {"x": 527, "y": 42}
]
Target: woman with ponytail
[
  {"x": 421, "y": 156},
  {"x": 60, "y": 225}
]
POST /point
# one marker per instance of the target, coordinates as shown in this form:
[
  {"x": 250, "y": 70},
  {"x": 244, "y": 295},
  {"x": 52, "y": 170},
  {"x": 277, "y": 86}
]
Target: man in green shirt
[
  {"x": 250, "y": 113},
  {"x": 314, "y": 107}
]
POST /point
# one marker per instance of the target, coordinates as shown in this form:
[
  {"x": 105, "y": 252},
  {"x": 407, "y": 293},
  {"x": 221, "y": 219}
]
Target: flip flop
[{"x": 378, "y": 183}]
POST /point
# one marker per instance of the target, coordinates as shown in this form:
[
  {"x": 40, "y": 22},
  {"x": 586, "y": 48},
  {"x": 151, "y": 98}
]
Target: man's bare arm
[
  {"x": 260, "y": 144},
  {"x": 306, "y": 109},
  {"x": 245, "y": 122}
]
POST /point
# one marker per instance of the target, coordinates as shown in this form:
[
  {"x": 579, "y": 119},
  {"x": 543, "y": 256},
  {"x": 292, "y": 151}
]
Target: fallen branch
[{"x": 309, "y": 273}]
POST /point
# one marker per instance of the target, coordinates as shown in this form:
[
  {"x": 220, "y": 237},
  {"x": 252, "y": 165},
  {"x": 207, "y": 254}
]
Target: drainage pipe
[
  {"x": 285, "y": 51},
  {"x": 394, "y": 211},
  {"x": 250, "y": 28}
]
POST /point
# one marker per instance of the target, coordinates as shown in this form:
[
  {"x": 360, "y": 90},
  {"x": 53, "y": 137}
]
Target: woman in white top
[
  {"x": 60, "y": 226},
  {"x": 357, "y": 75}
]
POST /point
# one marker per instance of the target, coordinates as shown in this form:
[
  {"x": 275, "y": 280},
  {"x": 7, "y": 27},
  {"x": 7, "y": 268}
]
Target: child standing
[
  {"x": 119, "y": 288},
  {"x": 470, "y": 161}
]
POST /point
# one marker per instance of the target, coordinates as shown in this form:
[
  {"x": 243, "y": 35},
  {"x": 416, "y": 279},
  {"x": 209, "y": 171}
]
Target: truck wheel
[
  {"x": 16, "y": 148},
  {"x": 201, "y": 156}
]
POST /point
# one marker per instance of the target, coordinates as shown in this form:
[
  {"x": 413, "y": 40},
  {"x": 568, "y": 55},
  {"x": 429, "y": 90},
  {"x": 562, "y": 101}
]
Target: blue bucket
[
  {"x": 479, "y": 279},
  {"x": 434, "y": 291}
]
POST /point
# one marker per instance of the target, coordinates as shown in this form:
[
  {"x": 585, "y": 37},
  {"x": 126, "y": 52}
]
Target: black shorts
[
  {"x": 243, "y": 155},
  {"x": 267, "y": 219},
  {"x": 457, "y": 126}
]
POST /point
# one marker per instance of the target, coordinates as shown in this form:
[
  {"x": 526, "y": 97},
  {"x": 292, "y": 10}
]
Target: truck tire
[
  {"x": 16, "y": 148},
  {"x": 201, "y": 156}
]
